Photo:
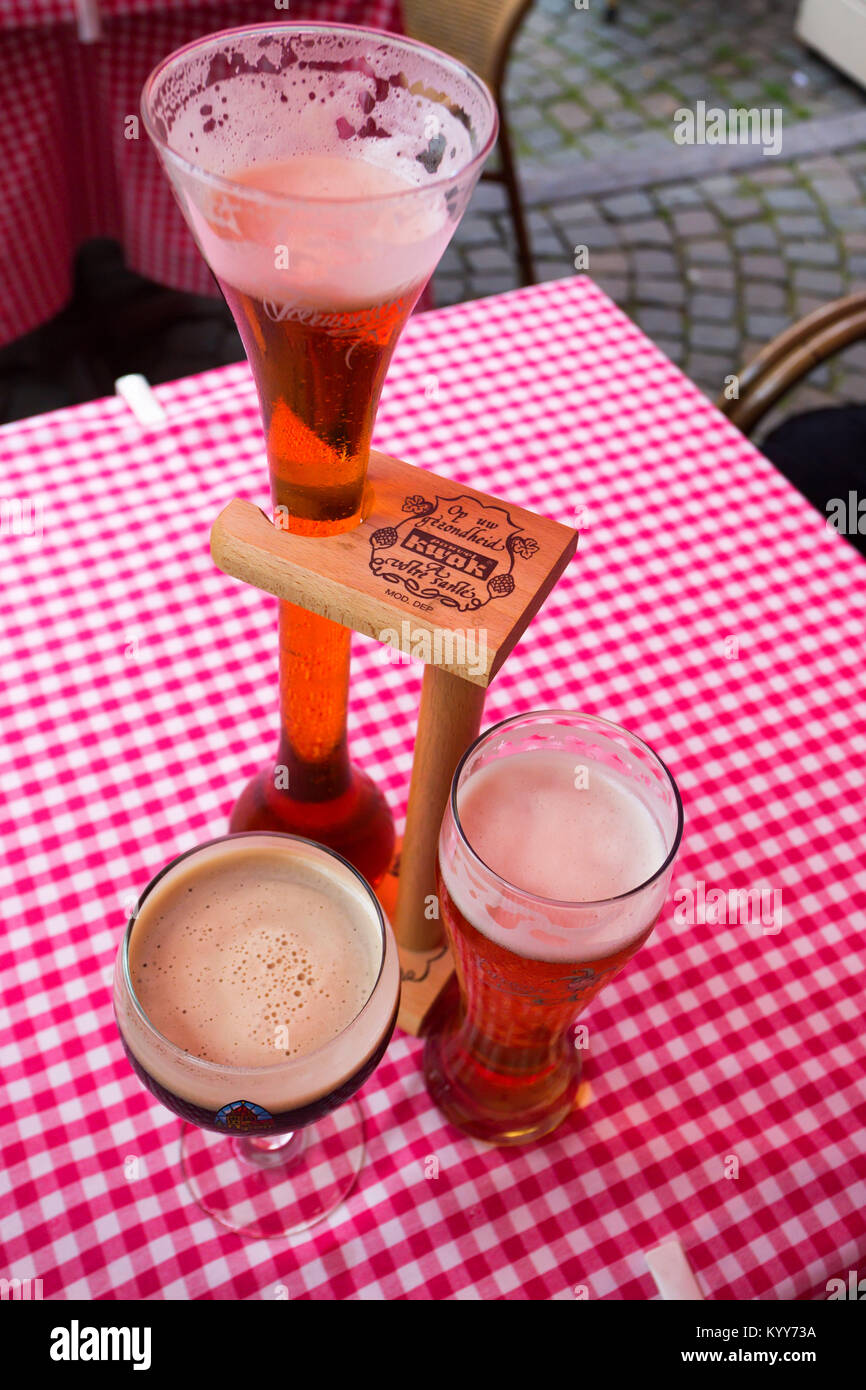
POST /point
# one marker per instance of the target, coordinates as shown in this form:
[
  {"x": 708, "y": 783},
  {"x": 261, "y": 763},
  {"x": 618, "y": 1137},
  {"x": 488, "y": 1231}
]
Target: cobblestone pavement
[
  {"x": 711, "y": 267},
  {"x": 577, "y": 83}
]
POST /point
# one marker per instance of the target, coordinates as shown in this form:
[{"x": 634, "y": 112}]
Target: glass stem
[
  {"x": 271, "y": 1150},
  {"x": 314, "y": 690}
]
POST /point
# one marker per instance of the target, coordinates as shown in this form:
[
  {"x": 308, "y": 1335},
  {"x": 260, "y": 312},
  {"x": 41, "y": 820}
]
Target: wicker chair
[
  {"x": 792, "y": 355},
  {"x": 479, "y": 33}
]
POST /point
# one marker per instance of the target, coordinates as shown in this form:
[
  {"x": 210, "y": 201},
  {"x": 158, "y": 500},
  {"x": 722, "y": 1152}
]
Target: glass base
[
  {"x": 495, "y": 1107},
  {"x": 358, "y": 824},
  {"x": 271, "y": 1188}
]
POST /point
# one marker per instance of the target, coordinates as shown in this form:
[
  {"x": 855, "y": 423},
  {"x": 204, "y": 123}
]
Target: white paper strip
[
  {"x": 136, "y": 391},
  {"x": 673, "y": 1273},
  {"x": 89, "y": 29}
]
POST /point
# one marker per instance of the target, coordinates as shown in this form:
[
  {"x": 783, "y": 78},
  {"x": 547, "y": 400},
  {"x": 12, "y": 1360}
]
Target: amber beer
[
  {"x": 319, "y": 372},
  {"x": 319, "y": 322},
  {"x": 554, "y": 861}
]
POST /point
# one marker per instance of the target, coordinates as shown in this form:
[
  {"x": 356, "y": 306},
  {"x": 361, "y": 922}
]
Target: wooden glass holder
[{"x": 438, "y": 571}]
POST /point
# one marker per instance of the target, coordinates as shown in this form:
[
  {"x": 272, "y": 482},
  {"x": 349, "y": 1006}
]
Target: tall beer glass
[
  {"x": 555, "y": 856},
  {"x": 322, "y": 170}
]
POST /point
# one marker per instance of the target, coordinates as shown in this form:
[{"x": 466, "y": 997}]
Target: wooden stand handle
[
  {"x": 447, "y": 574},
  {"x": 448, "y": 721}
]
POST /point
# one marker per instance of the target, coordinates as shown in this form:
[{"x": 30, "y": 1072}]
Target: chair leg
[{"x": 509, "y": 178}]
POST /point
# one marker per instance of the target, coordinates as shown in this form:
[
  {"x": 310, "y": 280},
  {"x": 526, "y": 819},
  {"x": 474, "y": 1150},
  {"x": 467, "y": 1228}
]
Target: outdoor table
[
  {"x": 709, "y": 608},
  {"x": 75, "y": 161}
]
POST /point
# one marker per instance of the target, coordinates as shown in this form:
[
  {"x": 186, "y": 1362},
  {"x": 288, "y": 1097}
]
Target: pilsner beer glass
[
  {"x": 555, "y": 857},
  {"x": 322, "y": 170},
  {"x": 256, "y": 989}
]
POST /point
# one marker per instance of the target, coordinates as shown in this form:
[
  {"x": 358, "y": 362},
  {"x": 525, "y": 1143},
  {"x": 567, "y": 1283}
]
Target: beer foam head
[
  {"x": 340, "y": 254},
  {"x": 253, "y": 956},
  {"x": 254, "y": 953},
  {"x": 297, "y": 99},
  {"x": 568, "y": 838}
]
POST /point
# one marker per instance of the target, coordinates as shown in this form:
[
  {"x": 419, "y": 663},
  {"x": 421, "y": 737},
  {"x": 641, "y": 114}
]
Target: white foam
[
  {"x": 559, "y": 828},
  {"x": 325, "y": 251},
  {"x": 257, "y": 958},
  {"x": 223, "y": 957},
  {"x": 292, "y": 114}
]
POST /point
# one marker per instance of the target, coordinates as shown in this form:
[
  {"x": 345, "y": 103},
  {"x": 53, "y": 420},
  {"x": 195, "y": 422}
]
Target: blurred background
[{"x": 712, "y": 249}]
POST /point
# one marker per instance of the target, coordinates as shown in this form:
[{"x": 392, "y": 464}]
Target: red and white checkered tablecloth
[
  {"x": 88, "y": 14},
  {"x": 709, "y": 608},
  {"x": 40, "y": 14},
  {"x": 73, "y": 166}
]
